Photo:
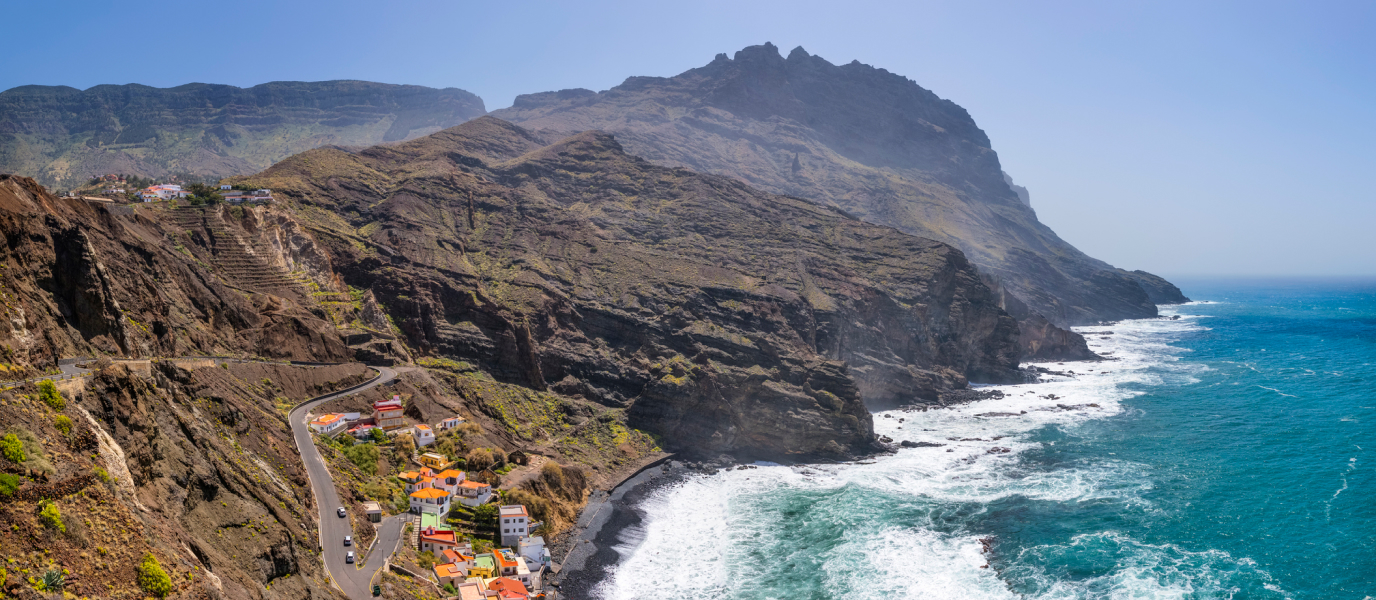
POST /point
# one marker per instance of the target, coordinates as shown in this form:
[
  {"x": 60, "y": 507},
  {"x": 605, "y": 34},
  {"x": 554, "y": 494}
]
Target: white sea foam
[{"x": 722, "y": 536}]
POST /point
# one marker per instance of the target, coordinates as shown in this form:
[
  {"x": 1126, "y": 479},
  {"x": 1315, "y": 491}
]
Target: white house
[
  {"x": 448, "y": 480},
  {"x": 424, "y": 435},
  {"x": 473, "y": 493},
  {"x": 430, "y": 500},
  {"x": 534, "y": 551},
  {"x": 449, "y": 423},
  {"x": 328, "y": 424},
  {"x": 513, "y": 521}
]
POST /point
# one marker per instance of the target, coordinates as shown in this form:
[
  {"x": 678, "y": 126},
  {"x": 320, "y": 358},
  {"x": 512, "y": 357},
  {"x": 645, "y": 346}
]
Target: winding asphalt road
[{"x": 355, "y": 580}]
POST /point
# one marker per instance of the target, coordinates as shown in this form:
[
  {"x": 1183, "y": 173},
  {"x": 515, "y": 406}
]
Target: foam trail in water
[{"x": 892, "y": 527}]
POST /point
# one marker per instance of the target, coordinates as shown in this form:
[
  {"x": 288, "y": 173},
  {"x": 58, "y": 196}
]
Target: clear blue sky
[{"x": 1184, "y": 138}]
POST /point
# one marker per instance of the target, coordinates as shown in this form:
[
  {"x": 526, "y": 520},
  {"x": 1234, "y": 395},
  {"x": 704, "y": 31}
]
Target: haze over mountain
[
  {"x": 63, "y": 136},
  {"x": 865, "y": 140}
]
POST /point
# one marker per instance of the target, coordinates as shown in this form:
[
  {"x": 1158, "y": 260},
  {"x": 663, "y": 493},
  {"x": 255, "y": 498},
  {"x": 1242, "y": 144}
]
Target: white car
[
  {"x": 348, "y": 540},
  {"x": 348, "y": 558},
  {"x": 341, "y": 512}
]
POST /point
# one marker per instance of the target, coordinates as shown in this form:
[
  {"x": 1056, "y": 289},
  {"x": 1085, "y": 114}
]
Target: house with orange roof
[
  {"x": 449, "y": 423},
  {"x": 461, "y": 555},
  {"x": 430, "y": 500},
  {"x": 449, "y": 480},
  {"x": 513, "y": 566},
  {"x": 424, "y": 435},
  {"x": 473, "y": 493},
  {"x": 328, "y": 424},
  {"x": 449, "y": 573},
  {"x": 417, "y": 480},
  {"x": 508, "y": 589}
]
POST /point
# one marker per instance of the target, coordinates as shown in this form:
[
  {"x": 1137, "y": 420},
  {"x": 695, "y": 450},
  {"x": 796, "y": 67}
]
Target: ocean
[{"x": 1227, "y": 453}]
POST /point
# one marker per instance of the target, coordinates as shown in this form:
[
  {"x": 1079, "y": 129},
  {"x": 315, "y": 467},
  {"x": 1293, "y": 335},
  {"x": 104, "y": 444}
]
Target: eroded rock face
[
  {"x": 81, "y": 280},
  {"x": 724, "y": 318},
  {"x": 869, "y": 141}
]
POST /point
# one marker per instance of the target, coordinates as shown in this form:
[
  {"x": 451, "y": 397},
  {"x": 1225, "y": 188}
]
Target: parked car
[
  {"x": 348, "y": 558},
  {"x": 341, "y": 512},
  {"x": 348, "y": 540}
]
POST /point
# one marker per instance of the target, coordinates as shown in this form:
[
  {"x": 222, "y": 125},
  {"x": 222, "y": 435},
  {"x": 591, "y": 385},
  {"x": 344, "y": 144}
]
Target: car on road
[
  {"x": 348, "y": 540},
  {"x": 348, "y": 558},
  {"x": 341, "y": 512}
]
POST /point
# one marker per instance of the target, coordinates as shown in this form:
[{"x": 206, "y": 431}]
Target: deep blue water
[{"x": 1228, "y": 454}]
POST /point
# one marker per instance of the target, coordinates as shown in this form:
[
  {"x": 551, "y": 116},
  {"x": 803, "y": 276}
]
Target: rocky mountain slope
[
  {"x": 193, "y": 466},
  {"x": 63, "y": 136},
  {"x": 722, "y": 318},
  {"x": 867, "y": 141},
  {"x": 82, "y": 279}
]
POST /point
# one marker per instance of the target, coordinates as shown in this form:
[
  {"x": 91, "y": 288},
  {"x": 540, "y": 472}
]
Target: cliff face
[
  {"x": 865, "y": 140},
  {"x": 196, "y": 467},
  {"x": 81, "y": 280},
  {"x": 722, "y": 318},
  {"x": 63, "y": 136}
]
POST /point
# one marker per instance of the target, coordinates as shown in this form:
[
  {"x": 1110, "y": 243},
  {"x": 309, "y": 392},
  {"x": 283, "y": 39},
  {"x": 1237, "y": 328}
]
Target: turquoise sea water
[{"x": 1230, "y": 453}]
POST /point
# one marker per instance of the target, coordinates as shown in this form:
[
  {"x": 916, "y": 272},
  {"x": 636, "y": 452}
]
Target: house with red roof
[{"x": 436, "y": 541}]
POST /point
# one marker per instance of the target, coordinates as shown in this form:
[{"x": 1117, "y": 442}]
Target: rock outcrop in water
[
  {"x": 722, "y": 318},
  {"x": 63, "y": 136},
  {"x": 867, "y": 141}
]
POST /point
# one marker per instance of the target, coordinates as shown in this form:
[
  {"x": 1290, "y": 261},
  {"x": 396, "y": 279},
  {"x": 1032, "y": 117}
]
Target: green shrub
[
  {"x": 63, "y": 424},
  {"x": 364, "y": 456},
  {"x": 52, "y": 581},
  {"x": 152, "y": 579},
  {"x": 13, "y": 448},
  {"x": 379, "y": 436},
  {"x": 9, "y": 483},
  {"x": 51, "y": 517},
  {"x": 47, "y": 391},
  {"x": 101, "y": 473},
  {"x": 485, "y": 514}
]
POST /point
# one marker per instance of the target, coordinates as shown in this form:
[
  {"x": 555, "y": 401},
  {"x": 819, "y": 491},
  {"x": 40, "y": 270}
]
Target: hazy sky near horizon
[{"x": 1182, "y": 138}]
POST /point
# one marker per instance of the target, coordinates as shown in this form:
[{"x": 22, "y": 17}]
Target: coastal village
[{"x": 510, "y": 563}]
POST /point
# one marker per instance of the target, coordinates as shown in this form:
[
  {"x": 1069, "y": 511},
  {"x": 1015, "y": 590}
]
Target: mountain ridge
[
  {"x": 871, "y": 142},
  {"x": 63, "y": 136}
]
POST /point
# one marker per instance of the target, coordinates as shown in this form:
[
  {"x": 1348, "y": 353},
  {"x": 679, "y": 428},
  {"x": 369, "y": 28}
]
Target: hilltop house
[
  {"x": 449, "y": 423},
  {"x": 162, "y": 192},
  {"x": 513, "y": 522},
  {"x": 240, "y": 196}
]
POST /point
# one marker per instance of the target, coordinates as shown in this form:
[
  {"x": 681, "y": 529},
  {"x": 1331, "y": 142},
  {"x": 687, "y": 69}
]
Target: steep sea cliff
[{"x": 1223, "y": 454}]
